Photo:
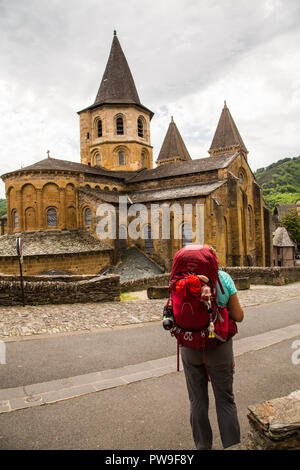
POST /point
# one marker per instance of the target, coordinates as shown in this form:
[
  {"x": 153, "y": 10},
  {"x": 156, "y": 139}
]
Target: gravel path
[{"x": 52, "y": 319}]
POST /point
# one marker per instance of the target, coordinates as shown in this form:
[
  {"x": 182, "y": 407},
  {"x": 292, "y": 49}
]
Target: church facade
[{"x": 55, "y": 199}]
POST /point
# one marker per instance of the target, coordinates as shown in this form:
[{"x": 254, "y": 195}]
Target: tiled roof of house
[{"x": 282, "y": 238}]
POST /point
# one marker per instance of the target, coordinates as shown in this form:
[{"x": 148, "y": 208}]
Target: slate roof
[
  {"x": 282, "y": 238},
  {"x": 117, "y": 85},
  {"x": 176, "y": 192},
  {"x": 199, "y": 165},
  {"x": 134, "y": 265},
  {"x": 282, "y": 209},
  {"x": 227, "y": 135},
  {"x": 164, "y": 171},
  {"x": 173, "y": 145},
  {"x": 51, "y": 242},
  {"x": 67, "y": 165}
]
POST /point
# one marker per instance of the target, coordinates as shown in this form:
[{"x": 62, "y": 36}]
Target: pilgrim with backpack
[{"x": 201, "y": 313}]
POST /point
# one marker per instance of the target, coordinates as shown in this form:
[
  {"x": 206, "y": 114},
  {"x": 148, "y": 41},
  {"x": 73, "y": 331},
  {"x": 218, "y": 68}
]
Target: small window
[
  {"x": 15, "y": 219},
  {"x": 98, "y": 159},
  {"x": 99, "y": 126},
  {"x": 140, "y": 127},
  {"x": 142, "y": 160},
  {"x": 51, "y": 217},
  {"x": 121, "y": 158},
  {"x": 88, "y": 217},
  {"x": 120, "y": 126},
  {"x": 241, "y": 179}
]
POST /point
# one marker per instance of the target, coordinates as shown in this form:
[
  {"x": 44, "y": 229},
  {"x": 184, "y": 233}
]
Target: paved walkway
[
  {"x": 52, "y": 319},
  {"x": 12, "y": 399}
]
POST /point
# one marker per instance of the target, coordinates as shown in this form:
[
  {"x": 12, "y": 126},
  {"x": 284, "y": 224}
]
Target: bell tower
[{"x": 115, "y": 130}]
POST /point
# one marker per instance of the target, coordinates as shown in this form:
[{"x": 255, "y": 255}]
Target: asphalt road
[
  {"x": 150, "y": 414},
  {"x": 58, "y": 356}
]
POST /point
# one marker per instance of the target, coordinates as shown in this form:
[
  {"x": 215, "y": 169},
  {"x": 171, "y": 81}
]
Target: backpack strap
[{"x": 220, "y": 285}]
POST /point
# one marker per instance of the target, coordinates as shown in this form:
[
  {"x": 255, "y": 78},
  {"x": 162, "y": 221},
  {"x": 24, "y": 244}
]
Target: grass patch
[{"x": 127, "y": 296}]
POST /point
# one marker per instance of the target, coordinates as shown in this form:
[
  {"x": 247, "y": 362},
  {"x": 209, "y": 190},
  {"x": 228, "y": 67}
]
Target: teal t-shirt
[{"x": 228, "y": 287}]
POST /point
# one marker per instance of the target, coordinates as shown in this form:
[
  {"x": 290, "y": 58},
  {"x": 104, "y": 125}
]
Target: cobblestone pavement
[{"x": 52, "y": 319}]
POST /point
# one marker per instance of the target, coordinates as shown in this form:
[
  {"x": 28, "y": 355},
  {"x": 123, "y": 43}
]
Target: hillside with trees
[
  {"x": 2, "y": 207},
  {"x": 280, "y": 182}
]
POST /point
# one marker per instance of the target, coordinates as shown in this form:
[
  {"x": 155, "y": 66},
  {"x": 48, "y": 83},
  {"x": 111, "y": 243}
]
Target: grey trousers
[{"x": 220, "y": 365}]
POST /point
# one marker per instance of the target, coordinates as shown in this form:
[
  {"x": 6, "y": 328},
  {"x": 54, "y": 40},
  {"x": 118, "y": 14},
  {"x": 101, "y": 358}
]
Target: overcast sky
[{"x": 186, "y": 57}]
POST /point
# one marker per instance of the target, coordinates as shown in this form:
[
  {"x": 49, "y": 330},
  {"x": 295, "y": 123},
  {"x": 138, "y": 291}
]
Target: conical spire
[
  {"x": 227, "y": 136},
  {"x": 117, "y": 85},
  {"x": 173, "y": 148}
]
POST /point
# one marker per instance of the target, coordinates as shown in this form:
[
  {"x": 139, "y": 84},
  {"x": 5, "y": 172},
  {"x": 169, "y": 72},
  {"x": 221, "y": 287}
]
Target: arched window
[
  {"x": 121, "y": 158},
  {"x": 15, "y": 219},
  {"x": 140, "y": 127},
  {"x": 98, "y": 159},
  {"x": 51, "y": 217},
  {"x": 187, "y": 235},
  {"x": 149, "y": 248},
  {"x": 242, "y": 178},
  {"x": 88, "y": 217},
  {"x": 99, "y": 128},
  {"x": 250, "y": 222},
  {"x": 143, "y": 159},
  {"x": 119, "y": 126}
]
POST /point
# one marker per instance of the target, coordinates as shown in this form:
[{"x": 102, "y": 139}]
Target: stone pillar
[
  {"x": 268, "y": 237},
  {"x": 62, "y": 204},
  {"x": 235, "y": 256},
  {"x": 19, "y": 204},
  {"x": 8, "y": 210},
  {"x": 258, "y": 225},
  {"x": 39, "y": 209}
]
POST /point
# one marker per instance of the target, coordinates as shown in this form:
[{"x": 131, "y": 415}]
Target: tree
[{"x": 291, "y": 221}]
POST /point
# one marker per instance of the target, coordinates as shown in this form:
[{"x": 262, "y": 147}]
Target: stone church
[{"x": 52, "y": 204}]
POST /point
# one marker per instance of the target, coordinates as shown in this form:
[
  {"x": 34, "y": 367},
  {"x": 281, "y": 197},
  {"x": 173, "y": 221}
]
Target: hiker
[{"x": 202, "y": 364}]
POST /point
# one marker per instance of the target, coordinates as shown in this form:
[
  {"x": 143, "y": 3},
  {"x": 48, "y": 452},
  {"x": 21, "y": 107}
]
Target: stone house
[
  {"x": 283, "y": 248},
  {"x": 225, "y": 202}
]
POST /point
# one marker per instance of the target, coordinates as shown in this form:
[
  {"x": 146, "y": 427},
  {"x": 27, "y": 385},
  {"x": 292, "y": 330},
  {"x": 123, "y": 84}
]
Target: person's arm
[{"x": 236, "y": 311}]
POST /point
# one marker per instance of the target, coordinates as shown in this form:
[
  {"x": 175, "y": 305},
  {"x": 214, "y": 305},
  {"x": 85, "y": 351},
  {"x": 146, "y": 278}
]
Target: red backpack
[{"x": 192, "y": 313}]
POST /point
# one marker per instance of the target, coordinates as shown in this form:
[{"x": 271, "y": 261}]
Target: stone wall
[
  {"x": 43, "y": 290},
  {"x": 77, "y": 263},
  {"x": 145, "y": 282},
  {"x": 276, "y": 276}
]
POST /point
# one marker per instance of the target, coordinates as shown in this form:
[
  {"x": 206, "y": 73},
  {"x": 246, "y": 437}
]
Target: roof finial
[
  {"x": 48, "y": 152},
  {"x": 115, "y": 32},
  {"x": 172, "y": 120},
  {"x": 225, "y": 105}
]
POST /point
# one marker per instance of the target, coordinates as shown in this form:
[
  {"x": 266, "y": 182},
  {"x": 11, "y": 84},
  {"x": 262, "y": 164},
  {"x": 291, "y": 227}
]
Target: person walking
[{"x": 218, "y": 363}]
